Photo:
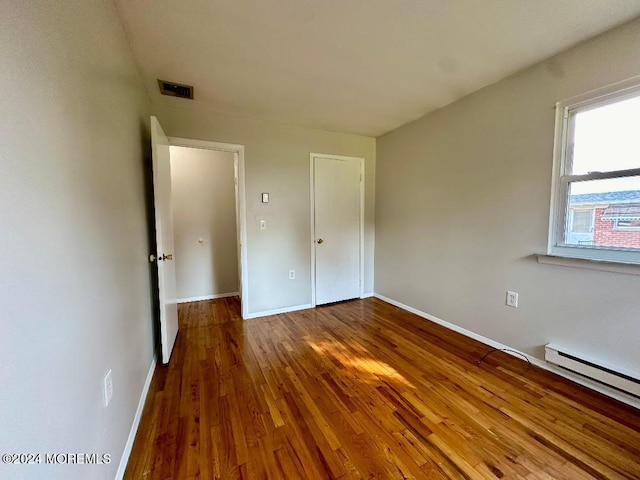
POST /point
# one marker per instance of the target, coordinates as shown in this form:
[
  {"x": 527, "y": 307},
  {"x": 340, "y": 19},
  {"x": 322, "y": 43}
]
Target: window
[
  {"x": 622, "y": 224},
  {"x": 582, "y": 221},
  {"x": 580, "y": 229},
  {"x": 596, "y": 192}
]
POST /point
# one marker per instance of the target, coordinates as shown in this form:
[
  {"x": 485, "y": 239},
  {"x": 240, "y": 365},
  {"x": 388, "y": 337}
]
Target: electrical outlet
[
  {"x": 512, "y": 299},
  {"x": 292, "y": 274},
  {"x": 263, "y": 224},
  {"x": 107, "y": 384}
]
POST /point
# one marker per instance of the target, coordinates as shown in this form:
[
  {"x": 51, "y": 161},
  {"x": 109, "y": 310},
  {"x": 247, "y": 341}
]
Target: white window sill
[{"x": 602, "y": 265}]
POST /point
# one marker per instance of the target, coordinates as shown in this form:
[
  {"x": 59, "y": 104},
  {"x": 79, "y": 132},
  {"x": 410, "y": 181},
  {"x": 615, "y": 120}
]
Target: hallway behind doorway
[{"x": 204, "y": 219}]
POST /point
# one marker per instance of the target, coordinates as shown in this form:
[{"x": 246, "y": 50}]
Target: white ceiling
[{"x": 357, "y": 66}]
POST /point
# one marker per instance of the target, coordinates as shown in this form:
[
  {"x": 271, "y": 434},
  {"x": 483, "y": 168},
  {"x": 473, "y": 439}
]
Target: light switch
[
  {"x": 265, "y": 198},
  {"x": 263, "y": 224}
]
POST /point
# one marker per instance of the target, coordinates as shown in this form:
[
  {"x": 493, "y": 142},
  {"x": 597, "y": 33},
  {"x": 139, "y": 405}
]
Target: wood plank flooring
[{"x": 363, "y": 389}]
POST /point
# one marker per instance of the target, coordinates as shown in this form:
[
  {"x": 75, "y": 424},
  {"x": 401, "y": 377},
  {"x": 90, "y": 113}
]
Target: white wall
[
  {"x": 462, "y": 206},
  {"x": 204, "y": 208},
  {"x": 277, "y": 161},
  {"x": 74, "y": 275}
]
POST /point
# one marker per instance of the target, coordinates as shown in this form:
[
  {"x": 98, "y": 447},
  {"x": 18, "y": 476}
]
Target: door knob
[
  {"x": 320, "y": 240},
  {"x": 166, "y": 257}
]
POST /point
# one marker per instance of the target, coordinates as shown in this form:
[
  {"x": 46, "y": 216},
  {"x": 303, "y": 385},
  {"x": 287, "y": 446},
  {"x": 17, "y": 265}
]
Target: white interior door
[
  {"x": 164, "y": 239},
  {"x": 337, "y": 228}
]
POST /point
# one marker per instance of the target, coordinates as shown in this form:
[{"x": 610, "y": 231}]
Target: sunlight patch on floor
[{"x": 375, "y": 370}]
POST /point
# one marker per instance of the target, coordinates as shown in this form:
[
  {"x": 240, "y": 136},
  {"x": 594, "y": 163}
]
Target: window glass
[
  {"x": 599, "y": 211},
  {"x": 607, "y": 138}
]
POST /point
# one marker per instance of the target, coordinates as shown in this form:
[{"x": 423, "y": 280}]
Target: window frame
[{"x": 561, "y": 179}]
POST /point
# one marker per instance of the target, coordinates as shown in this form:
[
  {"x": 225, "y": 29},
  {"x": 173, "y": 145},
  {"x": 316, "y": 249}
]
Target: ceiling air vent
[{"x": 175, "y": 89}]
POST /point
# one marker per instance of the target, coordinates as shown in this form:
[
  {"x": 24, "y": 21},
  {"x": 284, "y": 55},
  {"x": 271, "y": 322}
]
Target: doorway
[
  {"x": 198, "y": 250},
  {"x": 337, "y": 228}
]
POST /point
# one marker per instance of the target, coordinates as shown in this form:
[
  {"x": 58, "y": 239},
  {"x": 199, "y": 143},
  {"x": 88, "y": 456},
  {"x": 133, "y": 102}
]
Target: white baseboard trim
[
  {"x": 584, "y": 381},
  {"x": 136, "y": 422},
  {"x": 367, "y": 295},
  {"x": 277, "y": 311},
  {"x": 207, "y": 297}
]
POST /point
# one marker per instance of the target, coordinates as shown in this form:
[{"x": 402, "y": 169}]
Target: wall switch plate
[
  {"x": 263, "y": 224},
  {"x": 107, "y": 384},
  {"x": 292, "y": 274},
  {"x": 512, "y": 299},
  {"x": 265, "y": 198}
]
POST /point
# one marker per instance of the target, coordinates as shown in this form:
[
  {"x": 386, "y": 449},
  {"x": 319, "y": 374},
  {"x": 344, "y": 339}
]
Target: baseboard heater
[{"x": 625, "y": 381}]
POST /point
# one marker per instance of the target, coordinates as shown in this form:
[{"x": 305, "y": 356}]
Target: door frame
[
  {"x": 241, "y": 212},
  {"x": 312, "y": 160}
]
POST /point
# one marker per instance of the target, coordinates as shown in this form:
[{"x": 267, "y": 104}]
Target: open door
[{"x": 164, "y": 239}]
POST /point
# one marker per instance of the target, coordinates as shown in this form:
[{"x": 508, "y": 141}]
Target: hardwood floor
[{"x": 363, "y": 389}]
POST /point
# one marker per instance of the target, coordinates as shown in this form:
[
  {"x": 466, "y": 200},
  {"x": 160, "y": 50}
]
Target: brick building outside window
[{"x": 608, "y": 219}]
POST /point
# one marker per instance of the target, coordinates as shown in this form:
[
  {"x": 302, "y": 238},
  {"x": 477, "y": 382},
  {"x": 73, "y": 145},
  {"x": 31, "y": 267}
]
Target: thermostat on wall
[{"x": 265, "y": 198}]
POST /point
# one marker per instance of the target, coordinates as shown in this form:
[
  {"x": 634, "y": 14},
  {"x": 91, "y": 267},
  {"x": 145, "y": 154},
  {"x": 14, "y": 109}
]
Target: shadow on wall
[{"x": 219, "y": 257}]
